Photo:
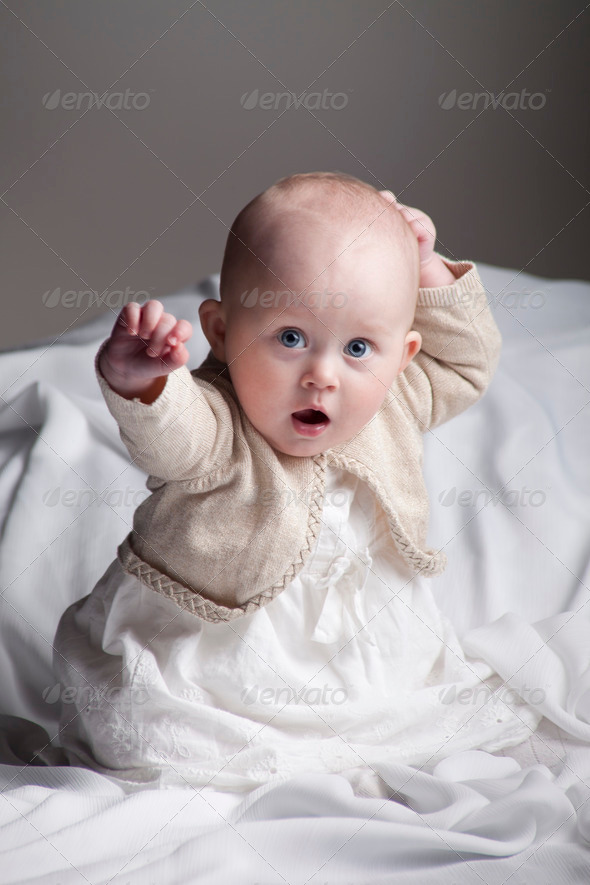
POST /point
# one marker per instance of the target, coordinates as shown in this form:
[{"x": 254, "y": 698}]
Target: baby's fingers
[
  {"x": 137, "y": 319},
  {"x": 419, "y": 221},
  {"x": 388, "y": 196},
  {"x": 127, "y": 323},
  {"x": 151, "y": 315},
  {"x": 174, "y": 354},
  {"x": 169, "y": 333},
  {"x": 181, "y": 332},
  {"x": 174, "y": 357},
  {"x": 157, "y": 343}
]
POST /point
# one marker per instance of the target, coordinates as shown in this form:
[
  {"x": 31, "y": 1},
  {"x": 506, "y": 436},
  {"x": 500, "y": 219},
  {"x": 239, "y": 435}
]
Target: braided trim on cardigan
[
  {"x": 427, "y": 562},
  {"x": 192, "y": 601},
  {"x": 313, "y": 524},
  {"x": 187, "y": 599}
]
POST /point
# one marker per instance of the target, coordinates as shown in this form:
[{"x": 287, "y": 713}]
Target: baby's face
[{"x": 312, "y": 368}]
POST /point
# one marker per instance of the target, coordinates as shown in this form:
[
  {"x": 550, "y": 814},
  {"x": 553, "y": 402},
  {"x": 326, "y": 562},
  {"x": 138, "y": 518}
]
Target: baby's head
[{"x": 318, "y": 292}]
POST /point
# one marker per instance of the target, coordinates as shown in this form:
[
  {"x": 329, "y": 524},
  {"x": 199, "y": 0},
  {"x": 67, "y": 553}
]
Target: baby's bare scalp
[{"x": 345, "y": 213}]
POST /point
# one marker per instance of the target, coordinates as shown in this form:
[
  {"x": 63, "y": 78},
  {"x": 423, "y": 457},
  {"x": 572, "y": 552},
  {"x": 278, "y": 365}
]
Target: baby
[{"x": 285, "y": 535}]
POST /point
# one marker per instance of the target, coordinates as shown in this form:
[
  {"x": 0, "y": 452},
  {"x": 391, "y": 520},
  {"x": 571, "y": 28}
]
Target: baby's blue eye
[
  {"x": 357, "y": 347},
  {"x": 291, "y": 338}
]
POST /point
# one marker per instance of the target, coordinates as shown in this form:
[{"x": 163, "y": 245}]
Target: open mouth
[
  {"x": 311, "y": 416},
  {"x": 309, "y": 422}
]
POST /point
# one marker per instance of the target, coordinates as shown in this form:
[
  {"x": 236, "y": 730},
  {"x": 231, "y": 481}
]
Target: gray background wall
[{"x": 137, "y": 196}]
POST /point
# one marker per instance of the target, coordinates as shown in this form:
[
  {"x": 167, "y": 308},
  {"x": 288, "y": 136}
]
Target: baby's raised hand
[
  {"x": 421, "y": 224},
  {"x": 146, "y": 344},
  {"x": 432, "y": 270}
]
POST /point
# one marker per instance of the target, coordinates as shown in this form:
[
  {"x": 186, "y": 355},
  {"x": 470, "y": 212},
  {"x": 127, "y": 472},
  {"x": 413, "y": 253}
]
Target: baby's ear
[
  {"x": 212, "y": 319},
  {"x": 412, "y": 345}
]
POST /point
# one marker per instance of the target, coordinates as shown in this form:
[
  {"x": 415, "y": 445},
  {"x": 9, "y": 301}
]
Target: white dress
[{"x": 351, "y": 664}]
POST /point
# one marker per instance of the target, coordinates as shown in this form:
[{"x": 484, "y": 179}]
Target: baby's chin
[
  {"x": 302, "y": 447},
  {"x": 301, "y": 451}
]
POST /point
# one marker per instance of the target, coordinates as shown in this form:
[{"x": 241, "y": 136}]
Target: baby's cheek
[{"x": 372, "y": 398}]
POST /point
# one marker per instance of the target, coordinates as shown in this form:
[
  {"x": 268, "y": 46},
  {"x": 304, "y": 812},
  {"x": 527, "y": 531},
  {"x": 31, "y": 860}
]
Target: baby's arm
[
  {"x": 167, "y": 422},
  {"x": 461, "y": 342}
]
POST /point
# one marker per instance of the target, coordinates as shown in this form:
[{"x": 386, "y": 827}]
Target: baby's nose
[{"x": 320, "y": 372}]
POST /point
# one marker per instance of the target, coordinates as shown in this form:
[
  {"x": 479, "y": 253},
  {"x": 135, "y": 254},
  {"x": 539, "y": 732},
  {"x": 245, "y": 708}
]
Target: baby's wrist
[{"x": 435, "y": 273}]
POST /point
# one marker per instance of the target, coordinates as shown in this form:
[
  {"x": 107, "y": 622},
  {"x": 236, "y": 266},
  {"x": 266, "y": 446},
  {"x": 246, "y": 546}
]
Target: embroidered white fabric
[{"x": 352, "y": 664}]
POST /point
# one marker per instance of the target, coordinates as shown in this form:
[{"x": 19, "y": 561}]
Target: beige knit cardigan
[{"x": 230, "y": 521}]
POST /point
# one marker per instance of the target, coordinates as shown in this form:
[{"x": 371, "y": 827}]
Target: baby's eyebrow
[
  {"x": 359, "y": 327},
  {"x": 374, "y": 327}
]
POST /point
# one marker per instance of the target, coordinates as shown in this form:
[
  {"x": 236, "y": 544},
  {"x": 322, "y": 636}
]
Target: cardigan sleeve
[
  {"x": 460, "y": 350},
  {"x": 184, "y": 433}
]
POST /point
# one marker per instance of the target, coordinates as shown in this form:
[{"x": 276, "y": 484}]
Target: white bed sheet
[{"x": 517, "y": 584}]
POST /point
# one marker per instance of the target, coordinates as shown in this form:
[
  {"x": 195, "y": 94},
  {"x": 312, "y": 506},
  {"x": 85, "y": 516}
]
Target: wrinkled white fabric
[
  {"x": 352, "y": 664},
  {"x": 474, "y": 819}
]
